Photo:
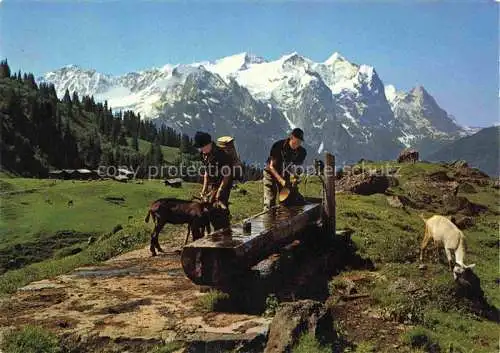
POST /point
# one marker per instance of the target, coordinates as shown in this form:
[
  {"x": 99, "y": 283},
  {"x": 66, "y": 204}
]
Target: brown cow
[{"x": 408, "y": 155}]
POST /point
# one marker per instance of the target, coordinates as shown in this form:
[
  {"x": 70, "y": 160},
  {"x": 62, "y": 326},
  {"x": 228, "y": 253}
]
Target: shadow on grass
[
  {"x": 299, "y": 270},
  {"x": 44, "y": 247},
  {"x": 468, "y": 290}
]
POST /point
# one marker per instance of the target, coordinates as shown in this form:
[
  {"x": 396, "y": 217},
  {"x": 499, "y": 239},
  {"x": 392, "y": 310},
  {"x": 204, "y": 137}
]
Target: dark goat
[{"x": 175, "y": 211}]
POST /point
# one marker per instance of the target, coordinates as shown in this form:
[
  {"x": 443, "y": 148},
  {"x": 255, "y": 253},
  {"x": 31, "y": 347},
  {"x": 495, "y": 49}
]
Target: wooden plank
[{"x": 215, "y": 258}]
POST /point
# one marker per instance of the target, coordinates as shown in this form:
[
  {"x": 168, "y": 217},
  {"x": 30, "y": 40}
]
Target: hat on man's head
[
  {"x": 202, "y": 139},
  {"x": 298, "y": 133}
]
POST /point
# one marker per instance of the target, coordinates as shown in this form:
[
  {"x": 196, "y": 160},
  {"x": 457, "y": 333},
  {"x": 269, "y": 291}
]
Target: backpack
[{"x": 226, "y": 144}]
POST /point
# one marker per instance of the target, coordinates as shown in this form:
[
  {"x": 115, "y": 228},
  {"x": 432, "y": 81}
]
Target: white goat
[{"x": 441, "y": 229}]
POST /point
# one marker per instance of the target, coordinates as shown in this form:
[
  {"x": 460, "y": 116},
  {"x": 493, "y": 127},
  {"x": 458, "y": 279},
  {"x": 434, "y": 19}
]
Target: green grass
[
  {"x": 421, "y": 338},
  {"x": 309, "y": 344},
  {"x": 33, "y": 224},
  {"x": 26, "y": 215},
  {"x": 382, "y": 233},
  {"x": 437, "y": 311},
  {"x": 405, "y": 170},
  {"x": 6, "y": 174},
  {"x": 35, "y": 339},
  {"x": 27, "y": 221},
  {"x": 214, "y": 300},
  {"x": 167, "y": 348},
  {"x": 482, "y": 240},
  {"x": 30, "y": 339},
  {"x": 107, "y": 246},
  {"x": 418, "y": 170},
  {"x": 170, "y": 154},
  {"x": 462, "y": 332},
  {"x": 365, "y": 347},
  {"x": 390, "y": 237}
]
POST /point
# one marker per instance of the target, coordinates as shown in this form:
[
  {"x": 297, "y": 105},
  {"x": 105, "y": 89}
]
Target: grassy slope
[
  {"x": 170, "y": 154},
  {"x": 389, "y": 236},
  {"x": 27, "y": 214},
  {"x": 480, "y": 150},
  {"x": 27, "y": 220}
]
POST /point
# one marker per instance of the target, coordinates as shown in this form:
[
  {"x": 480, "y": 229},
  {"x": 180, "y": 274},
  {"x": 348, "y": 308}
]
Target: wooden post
[{"x": 329, "y": 194}]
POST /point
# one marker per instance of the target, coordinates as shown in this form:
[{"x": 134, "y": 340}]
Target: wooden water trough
[{"x": 216, "y": 258}]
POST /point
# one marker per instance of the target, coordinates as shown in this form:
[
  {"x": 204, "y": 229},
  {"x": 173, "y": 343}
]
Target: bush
[
  {"x": 116, "y": 244},
  {"x": 420, "y": 337},
  {"x": 214, "y": 300},
  {"x": 399, "y": 306},
  {"x": 272, "y": 305},
  {"x": 308, "y": 344},
  {"x": 405, "y": 311},
  {"x": 31, "y": 339},
  {"x": 338, "y": 284},
  {"x": 116, "y": 228},
  {"x": 68, "y": 251}
]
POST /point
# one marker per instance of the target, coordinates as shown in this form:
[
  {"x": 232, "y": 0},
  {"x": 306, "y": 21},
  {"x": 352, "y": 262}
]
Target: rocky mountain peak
[{"x": 343, "y": 106}]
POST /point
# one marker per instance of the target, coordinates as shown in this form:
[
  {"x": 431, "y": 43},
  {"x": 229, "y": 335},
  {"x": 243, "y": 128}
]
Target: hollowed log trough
[{"x": 215, "y": 259}]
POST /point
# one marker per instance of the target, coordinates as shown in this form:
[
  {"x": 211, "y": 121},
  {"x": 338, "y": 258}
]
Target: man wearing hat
[
  {"x": 217, "y": 178},
  {"x": 284, "y": 154}
]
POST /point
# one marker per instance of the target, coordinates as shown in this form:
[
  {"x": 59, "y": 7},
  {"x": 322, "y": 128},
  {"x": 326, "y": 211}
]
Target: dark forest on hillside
[{"x": 41, "y": 132}]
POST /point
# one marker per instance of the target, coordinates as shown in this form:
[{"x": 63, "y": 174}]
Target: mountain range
[
  {"x": 343, "y": 107},
  {"x": 481, "y": 150}
]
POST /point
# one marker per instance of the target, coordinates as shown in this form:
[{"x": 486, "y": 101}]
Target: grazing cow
[
  {"x": 174, "y": 211},
  {"x": 408, "y": 155}
]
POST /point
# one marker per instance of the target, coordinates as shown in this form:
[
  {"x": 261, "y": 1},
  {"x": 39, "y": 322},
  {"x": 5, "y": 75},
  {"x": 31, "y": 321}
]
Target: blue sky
[{"x": 451, "y": 48}]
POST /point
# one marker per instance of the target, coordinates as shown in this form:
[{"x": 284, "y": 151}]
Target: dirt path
[
  {"x": 131, "y": 297},
  {"x": 360, "y": 324},
  {"x": 135, "y": 300}
]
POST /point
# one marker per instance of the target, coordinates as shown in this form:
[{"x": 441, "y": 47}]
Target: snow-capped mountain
[
  {"x": 343, "y": 107},
  {"x": 423, "y": 122}
]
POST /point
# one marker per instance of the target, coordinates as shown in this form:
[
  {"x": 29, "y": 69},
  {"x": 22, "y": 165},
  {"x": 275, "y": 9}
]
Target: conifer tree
[
  {"x": 4, "y": 69},
  {"x": 122, "y": 140},
  {"x": 135, "y": 143},
  {"x": 67, "y": 98},
  {"x": 75, "y": 99}
]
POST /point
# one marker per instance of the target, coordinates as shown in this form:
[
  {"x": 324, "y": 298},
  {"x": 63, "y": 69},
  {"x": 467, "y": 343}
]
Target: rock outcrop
[
  {"x": 366, "y": 184},
  {"x": 297, "y": 318}
]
